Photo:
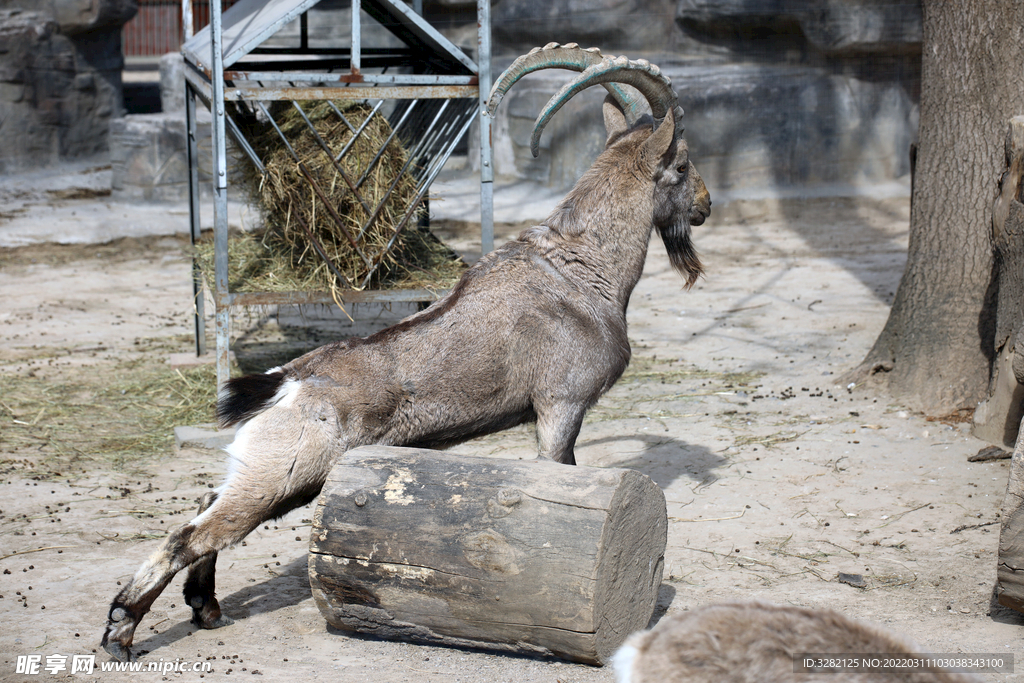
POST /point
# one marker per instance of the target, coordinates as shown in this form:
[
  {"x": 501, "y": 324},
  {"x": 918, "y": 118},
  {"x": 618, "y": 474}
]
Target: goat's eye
[{"x": 682, "y": 168}]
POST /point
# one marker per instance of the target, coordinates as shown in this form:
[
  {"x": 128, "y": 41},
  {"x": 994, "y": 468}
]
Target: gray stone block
[
  {"x": 752, "y": 129},
  {"x": 612, "y": 25},
  {"x": 206, "y": 437},
  {"x": 832, "y": 26},
  {"x": 149, "y": 157},
  {"x": 57, "y": 92},
  {"x": 172, "y": 83}
]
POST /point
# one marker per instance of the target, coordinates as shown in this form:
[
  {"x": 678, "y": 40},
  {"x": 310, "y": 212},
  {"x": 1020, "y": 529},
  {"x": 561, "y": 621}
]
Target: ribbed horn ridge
[
  {"x": 640, "y": 74},
  {"x": 554, "y": 56}
]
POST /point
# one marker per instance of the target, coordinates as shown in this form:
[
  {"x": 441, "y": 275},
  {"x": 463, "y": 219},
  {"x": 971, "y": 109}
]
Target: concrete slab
[
  {"x": 205, "y": 436},
  {"x": 73, "y": 205}
]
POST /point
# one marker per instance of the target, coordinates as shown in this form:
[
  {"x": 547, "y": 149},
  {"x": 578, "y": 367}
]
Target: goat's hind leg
[
  {"x": 135, "y": 599},
  {"x": 200, "y": 586},
  {"x": 226, "y": 522},
  {"x": 280, "y": 468}
]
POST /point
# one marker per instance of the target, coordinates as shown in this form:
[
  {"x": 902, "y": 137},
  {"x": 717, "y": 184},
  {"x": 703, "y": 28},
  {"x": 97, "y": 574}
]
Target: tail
[{"x": 244, "y": 397}]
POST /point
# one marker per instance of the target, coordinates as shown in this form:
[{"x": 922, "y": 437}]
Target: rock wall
[
  {"x": 60, "y": 79},
  {"x": 781, "y": 96}
]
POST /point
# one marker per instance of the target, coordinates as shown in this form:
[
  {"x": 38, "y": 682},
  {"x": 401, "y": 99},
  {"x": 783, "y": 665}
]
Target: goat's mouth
[{"x": 699, "y": 214}]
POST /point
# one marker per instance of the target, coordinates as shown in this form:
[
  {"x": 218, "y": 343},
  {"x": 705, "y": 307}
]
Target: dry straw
[{"x": 281, "y": 257}]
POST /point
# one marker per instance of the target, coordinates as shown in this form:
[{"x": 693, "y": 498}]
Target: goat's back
[
  {"x": 513, "y": 329},
  {"x": 755, "y": 642}
]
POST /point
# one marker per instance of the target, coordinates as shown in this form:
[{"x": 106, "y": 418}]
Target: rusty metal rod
[{"x": 330, "y": 155}]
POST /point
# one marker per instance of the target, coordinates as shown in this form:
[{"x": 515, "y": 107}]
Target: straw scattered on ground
[{"x": 116, "y": 416}]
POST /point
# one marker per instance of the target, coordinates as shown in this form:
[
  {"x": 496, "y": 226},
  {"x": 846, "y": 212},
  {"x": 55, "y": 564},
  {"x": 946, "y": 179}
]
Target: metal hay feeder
[{"x": 428, "y": 89}]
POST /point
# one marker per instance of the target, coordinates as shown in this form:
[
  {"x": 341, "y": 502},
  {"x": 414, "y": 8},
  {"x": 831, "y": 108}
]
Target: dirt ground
[{"x": 778, "y": 478}]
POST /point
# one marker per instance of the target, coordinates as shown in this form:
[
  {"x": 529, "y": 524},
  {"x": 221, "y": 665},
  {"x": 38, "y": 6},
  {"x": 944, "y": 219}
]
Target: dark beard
[{"x": 680, "y": 250}]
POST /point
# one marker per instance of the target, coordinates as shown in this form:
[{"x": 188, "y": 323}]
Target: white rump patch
[
  {"x": 623, "y": 662},
  {"x": 286, "y": 394}
]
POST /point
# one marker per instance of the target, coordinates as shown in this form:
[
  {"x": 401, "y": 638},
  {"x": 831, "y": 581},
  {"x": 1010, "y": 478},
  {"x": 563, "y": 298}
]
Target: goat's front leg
[{"x": 558, "y": 425}]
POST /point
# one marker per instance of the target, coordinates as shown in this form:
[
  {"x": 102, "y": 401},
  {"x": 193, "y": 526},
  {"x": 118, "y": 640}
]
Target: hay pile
[{"x": 281, "y": 257}]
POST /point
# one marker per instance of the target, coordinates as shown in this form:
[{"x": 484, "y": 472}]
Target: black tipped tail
[{"x": 244, "y": 397}]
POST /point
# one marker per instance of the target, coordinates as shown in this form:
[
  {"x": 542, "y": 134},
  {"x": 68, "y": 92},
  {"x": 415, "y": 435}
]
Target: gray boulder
[
  {"x": 832, "y": 26},
  {"x": 612, "y": 25}
]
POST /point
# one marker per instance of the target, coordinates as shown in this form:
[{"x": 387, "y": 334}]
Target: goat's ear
[
  {"x": 614, "y": 120},
  {"x": 660, "y": 143}
]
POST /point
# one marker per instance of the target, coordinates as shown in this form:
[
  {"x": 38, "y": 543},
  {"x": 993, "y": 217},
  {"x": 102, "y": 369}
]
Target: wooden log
[{"x": 528, "y": 556}]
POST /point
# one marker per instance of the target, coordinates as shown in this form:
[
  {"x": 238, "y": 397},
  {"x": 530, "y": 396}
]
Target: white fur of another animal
[{"x": 756, "y": 642}]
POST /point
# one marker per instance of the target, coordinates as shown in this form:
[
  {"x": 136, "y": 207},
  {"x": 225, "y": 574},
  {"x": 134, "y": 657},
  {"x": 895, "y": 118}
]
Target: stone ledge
[{"x": 205, "y": 437}]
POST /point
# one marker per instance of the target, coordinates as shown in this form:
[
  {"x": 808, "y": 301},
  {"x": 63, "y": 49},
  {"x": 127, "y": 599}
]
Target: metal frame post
[
  {"x": 222, "y": 296},
  {"x": 195, "y": 222},
  {"x": 356, "y": 63},
  {"x": 186, "y": 18},
  {"x": 483, "y": 60}
]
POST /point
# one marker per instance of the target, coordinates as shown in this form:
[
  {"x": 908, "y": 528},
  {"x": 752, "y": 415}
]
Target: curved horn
[
  {"x": 554, "y": 56},
  {"x": 640, "y": 74}
]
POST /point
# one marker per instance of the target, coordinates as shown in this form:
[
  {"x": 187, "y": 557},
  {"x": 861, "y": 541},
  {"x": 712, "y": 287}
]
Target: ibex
[
  {"x": 535, "y": 331},
  {"x": 757, "y": 641}
]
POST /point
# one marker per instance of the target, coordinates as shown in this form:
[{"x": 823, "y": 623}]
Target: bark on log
[
  {"x": 532, "y": 557},
  {"x": 1010, "y": 567}
]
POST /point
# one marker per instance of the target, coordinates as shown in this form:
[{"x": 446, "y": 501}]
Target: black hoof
[
  {"x": 118, "y": 651},
  {"x": 207, "y": 623}
]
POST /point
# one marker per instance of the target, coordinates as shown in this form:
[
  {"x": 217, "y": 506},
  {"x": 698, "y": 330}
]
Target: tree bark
[{"x": 937, "y": 348}]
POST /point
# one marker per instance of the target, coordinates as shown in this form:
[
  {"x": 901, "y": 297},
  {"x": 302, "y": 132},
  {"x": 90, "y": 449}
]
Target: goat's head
[{"x": 653, "y": 143}]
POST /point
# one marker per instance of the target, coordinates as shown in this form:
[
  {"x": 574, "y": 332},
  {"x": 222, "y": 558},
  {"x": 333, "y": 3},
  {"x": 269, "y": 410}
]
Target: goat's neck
[{"x": 600, "y": 232}]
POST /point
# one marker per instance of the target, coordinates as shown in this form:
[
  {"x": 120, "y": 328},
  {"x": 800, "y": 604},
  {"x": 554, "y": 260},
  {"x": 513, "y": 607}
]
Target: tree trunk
[{"x": 936, "y": 350}]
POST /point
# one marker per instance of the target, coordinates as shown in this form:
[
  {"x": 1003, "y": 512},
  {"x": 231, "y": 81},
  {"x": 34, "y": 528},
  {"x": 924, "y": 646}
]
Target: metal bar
[
  {"x": 412, "y": 207},
  {"x": 327, "y": 78},
  {"x": 398, "y": 231},
  {"x": 436, "y": 168},
  {"x": 428, "y": 133},
  {"x": 244, "y": 36},
  {"x": 200, "y": 83},
  {"x": 352, "y": 92},
  {"x": 438, "y": 162},
  {"x": 408, "y": 26},
  {"x": 359, "y": 132},
  {"x": 220, "y": 199},
  {"x": 380, "y": 152},
  {"x": 316, "y": 188},
  {"x": 354, "y": 296},
  {"x": 317, "y": 247},
  {"x": 357, "y": 43},
  {"x": 330, "y": 155},
  {"x": 195, "y": 223},
  {"x": 483, "y": 9},
  {"x": 242, "y": 142},
  {"x": 304, "y": 30},
  {"x": 341, "y": 116},
  {"x": 186, "y": 18},
  {"x": 335, "y": 51}
]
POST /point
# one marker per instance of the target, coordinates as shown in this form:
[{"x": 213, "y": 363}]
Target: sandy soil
[{"x": 777, "y": 478}]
